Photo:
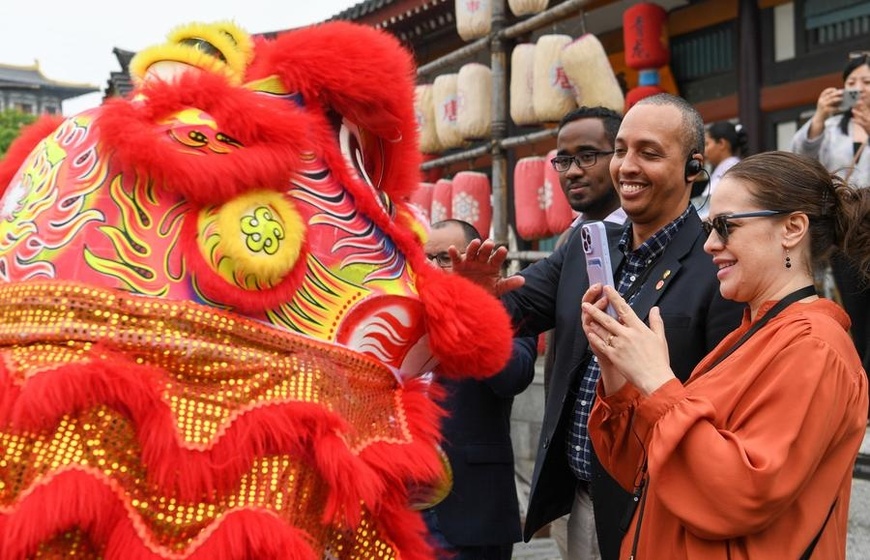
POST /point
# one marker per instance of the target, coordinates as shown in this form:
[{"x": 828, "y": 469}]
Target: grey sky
[{"x": 73, "y": 41}]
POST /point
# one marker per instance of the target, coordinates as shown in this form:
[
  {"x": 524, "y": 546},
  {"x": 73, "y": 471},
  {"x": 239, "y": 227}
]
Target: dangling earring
[{"x": 787, "y": 259}]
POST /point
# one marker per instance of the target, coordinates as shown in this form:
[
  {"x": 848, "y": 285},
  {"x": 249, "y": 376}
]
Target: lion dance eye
[
  {"x": 204, "y": 46},
  {"x": 364, "y": 153}
]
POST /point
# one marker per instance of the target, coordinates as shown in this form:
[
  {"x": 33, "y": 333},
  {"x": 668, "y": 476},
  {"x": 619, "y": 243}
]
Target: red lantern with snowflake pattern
[{"x": 471, "y": 200}]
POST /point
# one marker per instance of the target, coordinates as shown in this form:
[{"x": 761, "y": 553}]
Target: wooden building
[
  {"x": 27, "y": 90},
  {"x": 760, "y": 62}
]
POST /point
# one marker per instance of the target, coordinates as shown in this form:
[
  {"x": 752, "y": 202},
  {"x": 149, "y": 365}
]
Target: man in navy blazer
[
  {"x": 659, "y": 261},
  {"x": 480, "y": 518}
]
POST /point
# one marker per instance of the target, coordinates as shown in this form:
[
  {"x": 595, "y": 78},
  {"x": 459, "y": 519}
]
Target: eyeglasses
[
  {"x": 442, "y": 259},
  {"x": 722, "y": 223},
  {"x": 582, "y": 159}
]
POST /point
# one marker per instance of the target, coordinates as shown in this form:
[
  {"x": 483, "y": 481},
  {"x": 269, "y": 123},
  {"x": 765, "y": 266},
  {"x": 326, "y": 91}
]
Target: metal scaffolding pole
[
  {"x": 498, "y": 58},
  {"x": 458, "y": 55},
  {"x": 499, "y": 35},
  {"x": 543, "y": 19},
  {"x": 529, "y": 138},
  {"x": 477, "y": 151}
]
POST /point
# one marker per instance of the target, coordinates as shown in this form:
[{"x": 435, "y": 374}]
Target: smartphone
[
  {"x": 850, "y": 97},
  {"x": 598, "y": 267}
]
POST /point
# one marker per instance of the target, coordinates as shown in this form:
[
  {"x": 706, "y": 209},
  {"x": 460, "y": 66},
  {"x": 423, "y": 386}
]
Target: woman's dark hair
[
  {"x": 839, "y": 213},
  {"x": 731, "y": 133},
  {"x": 852, "y": 65}
]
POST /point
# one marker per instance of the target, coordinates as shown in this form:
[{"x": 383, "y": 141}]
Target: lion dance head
[{"x": 215, "y": 310}]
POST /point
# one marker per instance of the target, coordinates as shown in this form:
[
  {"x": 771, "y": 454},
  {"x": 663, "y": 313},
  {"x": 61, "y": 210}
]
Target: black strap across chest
[
  {"x": 796, "y": 295},
  {"x": 639, "y": 495}
]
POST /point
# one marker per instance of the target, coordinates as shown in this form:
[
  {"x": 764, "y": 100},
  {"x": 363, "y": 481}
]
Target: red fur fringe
[
  {"x": 305, "y": 430},
  {"x": 30, "y": 136},
  {"x": 274, "y": 134},
  {"x": 362, "y": 73},
  {"x": 83, "y": 498},
  {"x": 379, "y": 476},
  {"x": 469, "y": 330}
]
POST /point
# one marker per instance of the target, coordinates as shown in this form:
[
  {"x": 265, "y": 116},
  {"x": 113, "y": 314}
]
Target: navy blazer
[
  {"x": 482, "y": 508},
  {"x": 682, "y": 283}
]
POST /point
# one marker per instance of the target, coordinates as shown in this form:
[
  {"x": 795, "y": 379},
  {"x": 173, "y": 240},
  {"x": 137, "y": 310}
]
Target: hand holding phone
[
  {"x": 850, "y": 98},
  {"x": 598, "y": 267}
]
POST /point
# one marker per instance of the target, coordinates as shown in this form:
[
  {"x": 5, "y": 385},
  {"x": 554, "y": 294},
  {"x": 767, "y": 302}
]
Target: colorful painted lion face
[{"x": 160, "y": 257}]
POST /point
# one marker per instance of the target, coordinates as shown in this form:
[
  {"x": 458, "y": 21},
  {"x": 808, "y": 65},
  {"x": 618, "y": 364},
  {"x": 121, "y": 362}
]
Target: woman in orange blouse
[{"x": 753, "y": 457}]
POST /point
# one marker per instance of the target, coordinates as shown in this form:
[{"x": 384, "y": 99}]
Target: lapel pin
[
  {"x": 666, "y": 274},
  {"x": 660, "y": 284}
]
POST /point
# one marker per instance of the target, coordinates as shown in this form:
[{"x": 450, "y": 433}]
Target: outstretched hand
[
  {"x": 625, "y": 347},
  {"x": 481, "y": 263}
]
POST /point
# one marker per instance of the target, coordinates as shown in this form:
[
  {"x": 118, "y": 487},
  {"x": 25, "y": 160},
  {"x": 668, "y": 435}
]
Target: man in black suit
[
  {"x": 659, "y": 260},
  {"x": 480, "y": 518}
]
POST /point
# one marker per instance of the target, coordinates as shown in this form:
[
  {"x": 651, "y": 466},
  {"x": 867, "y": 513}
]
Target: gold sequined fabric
[{"x": 181, "y": 423}]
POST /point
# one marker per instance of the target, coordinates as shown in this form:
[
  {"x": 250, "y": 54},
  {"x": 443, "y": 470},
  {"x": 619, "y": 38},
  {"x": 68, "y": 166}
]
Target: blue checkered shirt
[{"x": 579, "y": 447}]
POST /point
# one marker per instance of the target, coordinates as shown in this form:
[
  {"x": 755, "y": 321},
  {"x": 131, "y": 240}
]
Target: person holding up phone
[
  {"x": 836, "y": 135},
  {"x": 838, "y": 140},
  {"x": 724, "y": 145}
]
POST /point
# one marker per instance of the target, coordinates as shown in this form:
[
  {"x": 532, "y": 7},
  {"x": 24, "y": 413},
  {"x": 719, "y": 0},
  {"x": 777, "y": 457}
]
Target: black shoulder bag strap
[
  {"x": 797, "y": 295},
  {"x": 639, "y": 496},
  {"x": 809, "y": 551}
]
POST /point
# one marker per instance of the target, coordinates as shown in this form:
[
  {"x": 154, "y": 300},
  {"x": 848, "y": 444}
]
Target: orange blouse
[{"x": 745, "y": 460}]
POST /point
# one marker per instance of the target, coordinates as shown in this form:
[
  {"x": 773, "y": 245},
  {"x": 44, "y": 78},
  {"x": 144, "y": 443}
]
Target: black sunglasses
[{"x": 723, "y": 222}]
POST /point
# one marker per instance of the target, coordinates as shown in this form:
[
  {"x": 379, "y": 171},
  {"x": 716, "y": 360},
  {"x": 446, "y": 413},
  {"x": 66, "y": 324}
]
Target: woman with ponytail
[
  {"x": 753, "y": 456},
  {"x": 836, "y": 135}
]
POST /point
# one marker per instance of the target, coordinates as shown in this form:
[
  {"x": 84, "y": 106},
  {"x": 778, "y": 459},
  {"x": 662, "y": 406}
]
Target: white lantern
[
  {"x": 424, "y": 111},
  {"x": 444, "y": 98},
  {"x": 474, "y": 98},
  {"x": 473, "y": 18},
  {"x": 589, "y": 70},
  {"x": 527, "y": 7},
  {"x": 522, "y": 109},
  {"x": 552, "y": 92}
]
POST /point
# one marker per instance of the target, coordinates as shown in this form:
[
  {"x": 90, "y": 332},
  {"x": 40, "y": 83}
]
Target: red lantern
[
  {"x": 471, "y": 200},
  {"x": 645, "y": 36},
  {"x": 442, "y": 206},
  {"x": 422, "y": 199},
  {"x": 529, "y": 208},
  {"x": 559, "y": 213},
  {"x": 638, "y": 93}
]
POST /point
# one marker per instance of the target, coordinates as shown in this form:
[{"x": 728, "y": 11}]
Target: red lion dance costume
[{"x": 215, "y": 310}]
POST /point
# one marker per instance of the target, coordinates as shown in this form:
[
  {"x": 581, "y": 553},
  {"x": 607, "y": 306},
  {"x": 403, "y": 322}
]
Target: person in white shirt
[
  {"x": 837, "y": 137},
  {"x": 724, "y": 146}
]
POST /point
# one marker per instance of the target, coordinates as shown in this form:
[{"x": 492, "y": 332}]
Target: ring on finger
[{"x": 610, "y": 340}]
